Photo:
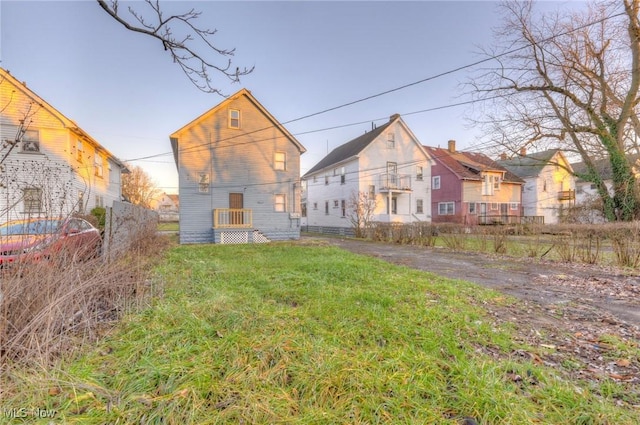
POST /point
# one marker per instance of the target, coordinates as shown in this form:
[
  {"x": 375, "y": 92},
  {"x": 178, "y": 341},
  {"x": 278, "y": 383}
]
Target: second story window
[
  {"x": 234, "y": 118},
  {"x": 280, "y": 161},
  {"x": 97, "y": 162},
  {"x": 435, "y": 182},
  {"x": 31, "y": 141},
  {"x": 419, "y": 172},
  {"x": 79, "y": 150},
  {"x": 326, "y": 180},
  {"x": 343, "y": 176}
]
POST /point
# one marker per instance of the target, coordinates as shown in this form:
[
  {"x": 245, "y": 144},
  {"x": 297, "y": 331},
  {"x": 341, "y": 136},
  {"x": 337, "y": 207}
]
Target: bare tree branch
[
  {"x": 188, "y": 44},
  {"x": 569, "y": 81}
]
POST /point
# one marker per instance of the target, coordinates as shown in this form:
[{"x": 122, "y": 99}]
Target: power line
[{"x": 430, "y": 78}]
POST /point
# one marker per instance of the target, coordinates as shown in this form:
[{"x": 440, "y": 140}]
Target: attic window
[
  {"x": 31, "y": 141},
  {"x": 391, "y": 140},
  {"x": 234, "y": 118}
]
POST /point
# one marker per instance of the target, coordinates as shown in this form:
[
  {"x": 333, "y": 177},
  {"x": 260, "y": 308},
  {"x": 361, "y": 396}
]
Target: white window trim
[
  {"x": 277, "y": 162},
  {"x": 231, "y": 111},
  {"x": 280, "y": 202},
  {"x": 435, "y": 182},
  {"x": 446, "y": 206}
]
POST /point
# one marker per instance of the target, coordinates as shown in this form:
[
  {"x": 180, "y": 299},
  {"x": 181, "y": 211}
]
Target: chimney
[
  {"x": 523, "y": 151},
  {"x": 393, "y": 117},
  {"x": 503, "y": 156},
  {"x": 452, "y": 146}
]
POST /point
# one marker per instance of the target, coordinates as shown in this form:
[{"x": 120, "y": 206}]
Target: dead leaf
[{"x": 623, "y": 362}]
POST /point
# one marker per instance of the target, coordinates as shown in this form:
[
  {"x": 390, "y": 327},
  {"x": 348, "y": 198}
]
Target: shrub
[{"x": 100, "y": 213}]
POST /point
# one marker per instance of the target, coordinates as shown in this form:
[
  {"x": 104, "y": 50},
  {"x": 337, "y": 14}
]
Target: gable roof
[
  {"x": 66, "y": 122},
  {"x": 349, "y": 149},
  {"x": 530, "y": 165},
  {"x": 243, "y": 92},
  {"x": 603, "y": 166},
  {"x": 470, "y": 165}
]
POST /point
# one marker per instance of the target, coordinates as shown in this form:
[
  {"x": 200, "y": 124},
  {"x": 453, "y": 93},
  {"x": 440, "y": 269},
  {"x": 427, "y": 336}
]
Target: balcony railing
[
  {"x": 398, "y": 182},
  {"x": 229, "y": 218},
  {"x": 566, "y": 195}
]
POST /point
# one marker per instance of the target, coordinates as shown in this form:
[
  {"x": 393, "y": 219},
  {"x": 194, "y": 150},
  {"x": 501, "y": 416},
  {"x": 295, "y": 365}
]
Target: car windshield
[{"x": 36, "y": 227}]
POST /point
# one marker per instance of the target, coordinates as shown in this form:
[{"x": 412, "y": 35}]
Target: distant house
[
  {"x": 586, "y": 193},
  {"x": 48, "y": 165},
  {"x": 549, "y": 183},
  {"x": 387, "y": 164},
  {"x": 470, "y": 188},
  {"x": 167, "y": 206},
  {"x": 239, "y": 175}
]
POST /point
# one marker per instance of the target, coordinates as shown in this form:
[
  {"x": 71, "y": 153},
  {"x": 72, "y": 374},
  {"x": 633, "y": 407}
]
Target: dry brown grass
[{"x": 51, "y": 308}]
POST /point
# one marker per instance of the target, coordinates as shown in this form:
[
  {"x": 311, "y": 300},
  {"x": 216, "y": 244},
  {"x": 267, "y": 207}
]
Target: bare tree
[
  {"x": 569, "y": 80},
  {"x": 190, "y": 46},
  {"x": 138, "y": 187},
  {"x": 362, "y": 207}
]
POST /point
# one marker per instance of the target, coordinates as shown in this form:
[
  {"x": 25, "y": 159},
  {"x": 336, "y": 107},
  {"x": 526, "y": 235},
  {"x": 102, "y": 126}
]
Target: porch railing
[
  {"x": 509, "y": 219},
  {"x": 230, "y": 218}
]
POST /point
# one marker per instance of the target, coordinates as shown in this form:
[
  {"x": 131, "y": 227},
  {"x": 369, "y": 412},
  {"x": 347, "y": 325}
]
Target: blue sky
[{"x": 124, "y": 90}]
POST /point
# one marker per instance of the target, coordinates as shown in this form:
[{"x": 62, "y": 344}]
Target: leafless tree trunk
[
  {"x": 362, "y": 207},
  {"x": 569, "y": 81},
  {"x": 190, "y": 46}
]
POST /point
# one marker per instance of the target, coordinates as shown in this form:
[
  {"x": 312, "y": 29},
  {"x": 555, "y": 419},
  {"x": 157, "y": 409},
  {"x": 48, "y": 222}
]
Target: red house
[{"x": 470, "y": 188}]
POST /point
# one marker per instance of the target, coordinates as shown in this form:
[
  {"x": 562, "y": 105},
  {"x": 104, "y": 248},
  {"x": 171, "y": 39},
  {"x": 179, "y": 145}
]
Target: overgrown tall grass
[
  {"x": 52, "y": 307},
  {"x": 283, "y": 333}
]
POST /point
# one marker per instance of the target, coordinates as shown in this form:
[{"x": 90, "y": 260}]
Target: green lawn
[
  {"x": 172, "y": 226},
  {"x": 286, "y": 333}
]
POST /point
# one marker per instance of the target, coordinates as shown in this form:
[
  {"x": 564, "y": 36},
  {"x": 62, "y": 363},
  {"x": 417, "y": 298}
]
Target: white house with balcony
[{"x": 388, "y": 165}]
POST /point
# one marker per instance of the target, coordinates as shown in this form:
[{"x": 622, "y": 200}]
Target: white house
[
  {"x": 549, "y": 187},
  {"x": 586, "y": 193},
  {"x": 387, "y": 164},
  {"x": 239, "y": 175},
  {"x": 48, "y": 165}
]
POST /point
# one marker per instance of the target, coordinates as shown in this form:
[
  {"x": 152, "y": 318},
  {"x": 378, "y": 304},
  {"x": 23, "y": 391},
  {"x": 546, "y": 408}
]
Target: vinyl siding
[
  {"x": 365, "y": 170},
  {"x": 236, "y": 161},
  {"x": 54, "y": 169}
]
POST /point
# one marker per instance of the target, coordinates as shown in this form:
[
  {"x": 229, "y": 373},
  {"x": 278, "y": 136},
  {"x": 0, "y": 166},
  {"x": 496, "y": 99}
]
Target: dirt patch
[{"x": 573, "y": 313}]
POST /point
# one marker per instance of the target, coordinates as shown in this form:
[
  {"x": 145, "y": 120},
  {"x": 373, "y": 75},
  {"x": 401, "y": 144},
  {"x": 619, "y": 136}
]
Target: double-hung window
[
  {"x": 280, "y": 202},
  {"x": 446, "y": 208},
  {"x": 280, "y": 161},
  {"x": 234, "y": 118},
  {"x": 32, "y": 199}
]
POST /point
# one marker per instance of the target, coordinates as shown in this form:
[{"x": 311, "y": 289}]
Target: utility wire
[{"x": 430, "y": 78}]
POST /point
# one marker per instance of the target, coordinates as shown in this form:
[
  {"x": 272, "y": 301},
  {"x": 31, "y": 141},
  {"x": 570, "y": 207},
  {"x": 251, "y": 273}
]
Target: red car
[{"x": 46, "y": 238}]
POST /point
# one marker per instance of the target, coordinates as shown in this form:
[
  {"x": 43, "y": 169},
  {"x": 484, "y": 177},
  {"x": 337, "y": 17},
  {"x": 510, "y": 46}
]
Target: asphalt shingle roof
[
  {"x": 349, "y": 149},
  {"x": 469, "y": 165},
  {"x": 529, "y": 165}
]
